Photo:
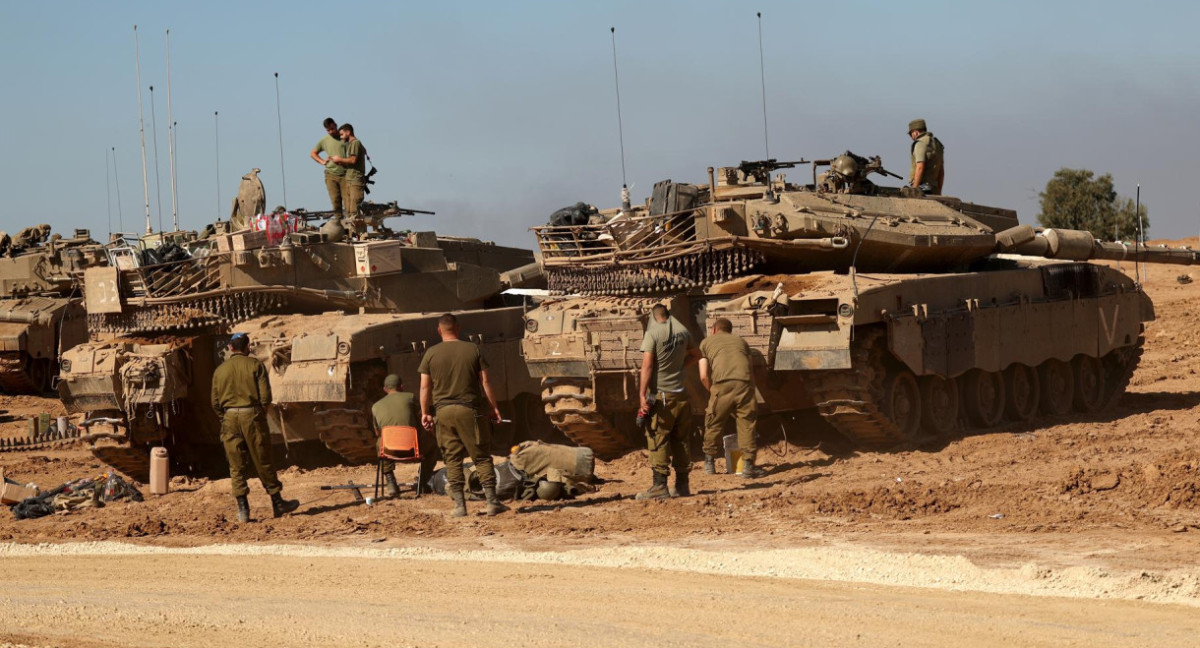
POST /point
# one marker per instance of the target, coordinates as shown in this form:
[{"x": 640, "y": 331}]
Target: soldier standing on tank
[
  {"x": 928, "y": 172},
  {"x": 667, "y": 348},
  {"x": 240, "y": 395},
  {"x": 332, "y": 146},
  {"x": 454, "y": 381},
  {"x": 354, "y": 161},
  {"x": 725, "y": 370},
  {"x": 399, "y": 407}
]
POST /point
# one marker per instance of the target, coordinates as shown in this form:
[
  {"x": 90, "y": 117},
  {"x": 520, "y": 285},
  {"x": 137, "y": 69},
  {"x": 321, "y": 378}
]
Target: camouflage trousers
[
  {"x": 333, "y": 183},
  {"x": 667, "y": 437},
  {"x": 731, "y": 398},
  {"x": 460, "y": 433},
  {"x": 248, "y": 448}
]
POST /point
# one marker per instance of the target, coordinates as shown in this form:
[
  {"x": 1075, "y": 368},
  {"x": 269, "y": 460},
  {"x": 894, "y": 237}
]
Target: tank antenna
[
  {"x": 157, "y": 184},
  {"x": 117, "y": 181},
  {"x": 108, "y": 188},
  {"x": 762, "y": 71},
  {"x": 171, "y": 142},
  {"x": 217, "y": 143},
  {"x": 1141, "y": 235},
  {"x": 279, "y": 120},
  {"x": 625, "y": 205},
  {"x": 142, "y": 131}
]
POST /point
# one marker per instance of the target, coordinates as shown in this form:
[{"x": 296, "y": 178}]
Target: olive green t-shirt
[
  {"x": 240, "y": 381},
  {"x": 332, "y": 146},
  {"x": 927, "y": 149},
  {"x": 728, "y": 357},
  {"x": 669, "y": 341},
  {"x": 357, "y": 170},
  {"x": 453, "y": 366},
  {"x": 397, "y": 408}
]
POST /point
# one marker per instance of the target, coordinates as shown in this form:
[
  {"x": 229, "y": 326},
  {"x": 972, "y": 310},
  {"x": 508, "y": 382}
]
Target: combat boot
[
  {"x": 750, "y": 471},
  {"x": 494, "y": 505},
  {"x": 682, "y": 488},
  {"x": 460, "y": 503},
  {"x": 279, "y": 506},
  {"x": 390, "y": 488},
  {"x": 243, "y": 509},
  {"x": 710, "y": 465},
  {"x": 657, "y": 491}
]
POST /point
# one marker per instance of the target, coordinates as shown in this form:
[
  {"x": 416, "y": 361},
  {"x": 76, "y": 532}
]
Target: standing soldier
[
  {"x": 725, "y": 371},
  {"x": 398, "y": 407},
  {"x": 354, "y": 162},
  {"x": 928, "y": 172},
  {"x": 454, "y": 380},
  {"x": 240, "y": 395},
  {"x": 666, "y": 349},
  {"x": 332, "y": 146}
]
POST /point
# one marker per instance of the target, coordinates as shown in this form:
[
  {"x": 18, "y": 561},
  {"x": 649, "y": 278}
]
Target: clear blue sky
[{"x": 496, "y": 113}]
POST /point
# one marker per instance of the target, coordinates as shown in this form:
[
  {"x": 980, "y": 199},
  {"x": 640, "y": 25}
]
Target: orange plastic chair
[{"x": 398, "y": 443}]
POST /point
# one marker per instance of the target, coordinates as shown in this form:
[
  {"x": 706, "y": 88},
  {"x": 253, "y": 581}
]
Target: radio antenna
[
  {"x": 108, "y": 187},
  {"x": 142, "y": 131},
  {"x": 762, "y": 70},
  {"x": 171, "y": 142},
  {"x": 625, "y": 205},
  {"x": 157, "y": 184},
  {"x": 217, "y": 143},
  {"x": 1141, "y": 235},
  {"x": 117, "y": 181},
  {"x": 279, "y": 120}
]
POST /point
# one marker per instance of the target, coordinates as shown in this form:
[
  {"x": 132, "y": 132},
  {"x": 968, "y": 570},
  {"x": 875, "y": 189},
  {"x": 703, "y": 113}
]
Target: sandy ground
[{"x": 1096, "y": 516}]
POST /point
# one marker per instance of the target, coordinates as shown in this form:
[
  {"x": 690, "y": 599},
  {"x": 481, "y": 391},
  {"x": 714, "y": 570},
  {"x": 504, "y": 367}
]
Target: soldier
[
  {"x": 454, "y": 380},
  {"x": 354, "y": 161},
  {"x": 666, "y": 349},
  {"x": 240, "y": 395},
  {"x": 928, "y": 171},
  {"x": 725, "y": 371},
  {"x": 399, "y": 407},
  {"x": 333, "y": 147}
]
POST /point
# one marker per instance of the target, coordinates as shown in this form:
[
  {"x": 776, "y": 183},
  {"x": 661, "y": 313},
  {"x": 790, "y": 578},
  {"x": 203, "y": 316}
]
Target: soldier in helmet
[{"x": 928, "y": 164}]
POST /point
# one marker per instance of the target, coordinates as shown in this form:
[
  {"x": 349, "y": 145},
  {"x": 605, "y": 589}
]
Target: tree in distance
[{"x": 1077, "y": 199}]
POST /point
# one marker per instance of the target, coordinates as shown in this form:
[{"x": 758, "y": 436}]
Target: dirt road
[{"x": 333, "y": 598}]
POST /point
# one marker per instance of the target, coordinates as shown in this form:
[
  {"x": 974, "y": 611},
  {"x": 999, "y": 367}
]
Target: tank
[
  {"x": 901, "y": 318},
  {"x": 39, "y": 311},
  {"x": 329, "y": 319}
]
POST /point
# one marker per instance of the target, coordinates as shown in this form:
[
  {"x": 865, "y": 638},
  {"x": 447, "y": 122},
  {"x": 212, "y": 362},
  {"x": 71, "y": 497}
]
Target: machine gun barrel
[{"x": 1079, "y": 245}]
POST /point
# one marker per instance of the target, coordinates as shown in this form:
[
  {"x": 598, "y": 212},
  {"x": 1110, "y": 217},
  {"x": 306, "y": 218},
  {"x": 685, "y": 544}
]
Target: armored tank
[
  {"x": 900, "y": 317},
  {"x": 39, "y": 310},
  {"x": 329, "y": 318}
]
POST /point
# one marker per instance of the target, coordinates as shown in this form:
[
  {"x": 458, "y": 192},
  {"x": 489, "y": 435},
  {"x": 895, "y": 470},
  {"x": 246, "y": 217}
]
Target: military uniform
[
  {"x": 354, "y": 184},
  {"x": 453, "y": 367},
  {"x": 240, "y": 395},
  {"x": 399, "y": 408},
  {"x": 334, "y": 173},
  {"x": 928, "y": 149},
  {"x": 732, "y": 393},
  {"x": 667, "y": 436}
]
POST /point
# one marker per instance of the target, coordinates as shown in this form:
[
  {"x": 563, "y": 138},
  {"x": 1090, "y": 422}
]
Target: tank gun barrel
[
  {"x": 760, "y": 169},
  {"x": 1080, "y": 245}
]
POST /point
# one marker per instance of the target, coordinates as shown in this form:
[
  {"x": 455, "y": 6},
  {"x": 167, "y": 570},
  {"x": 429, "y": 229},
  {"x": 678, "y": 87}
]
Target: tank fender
[{"x": 811, "y": 341}]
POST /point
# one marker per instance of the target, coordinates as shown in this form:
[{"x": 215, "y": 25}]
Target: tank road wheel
[
  {"x": 902, "y": 403},
  {"x": 983, "y": 397},
  {"x": 1058, "y": 387},
  {"x": 939, "y": 405},
  {"x": 1089, "y": 383},
  {"x": 1022, "y": 392},
  {"x": 1119, "y": 365}
]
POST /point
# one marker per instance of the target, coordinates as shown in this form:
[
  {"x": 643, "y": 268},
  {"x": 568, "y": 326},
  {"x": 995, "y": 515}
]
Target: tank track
[
  {"x": 347, "y": 432},
  {"x": 698, "y": 269},
  {"x": 193, "y": 313},
  {"x": 14, "y": 375},
  {"x": 124, "y": 458},
  {"x": 42, "y": 442},
  {"x": 571, "y": 405},
  {"x": 848, "y": 399}
]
